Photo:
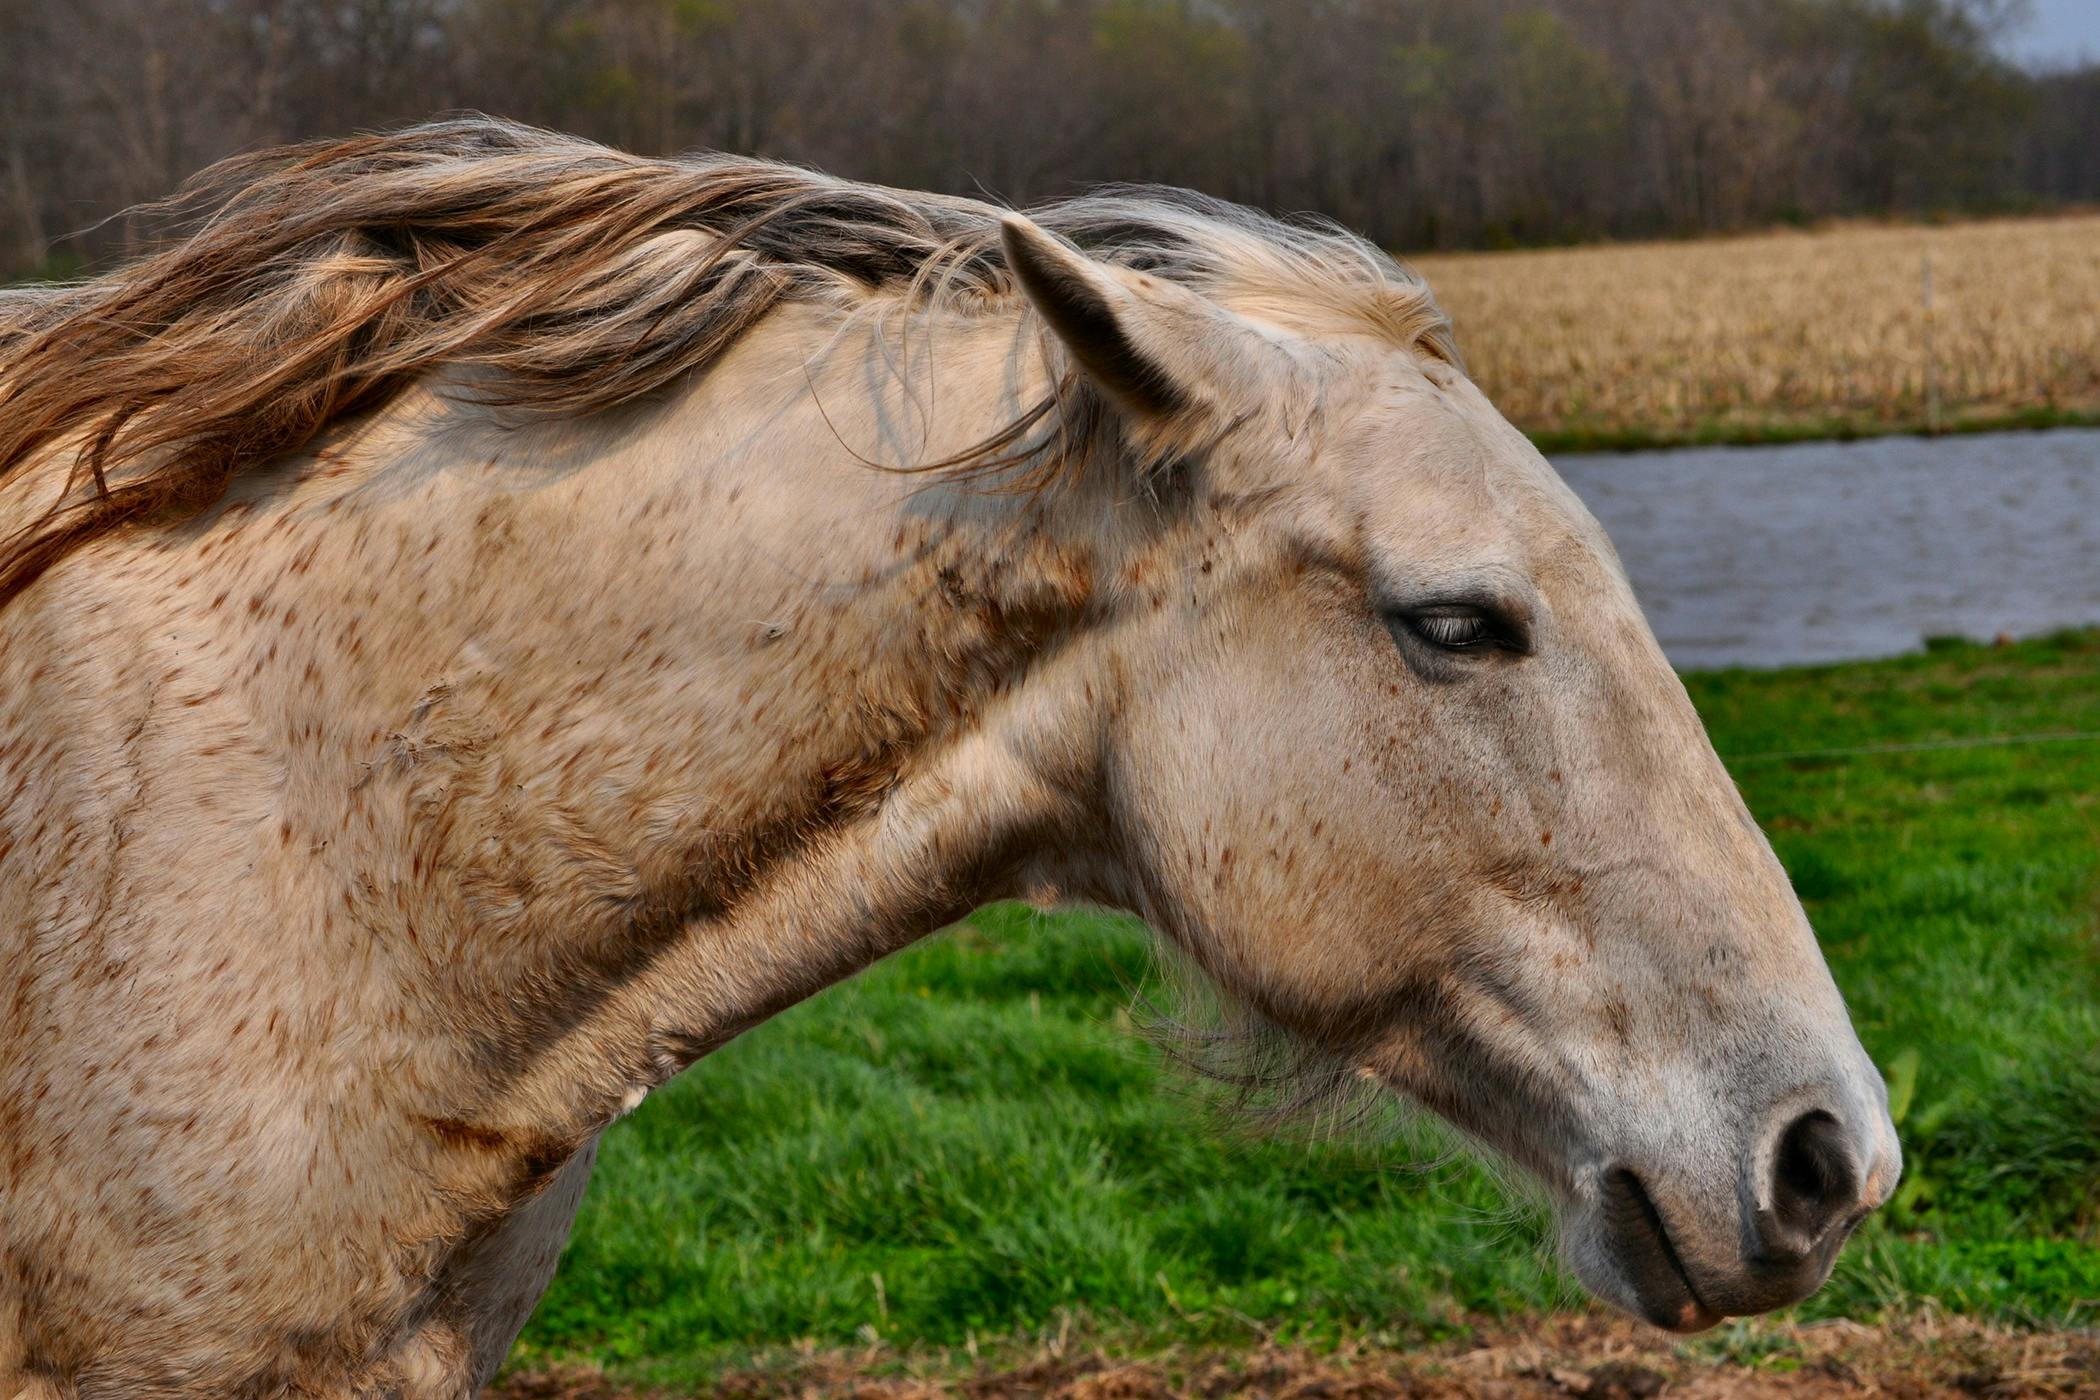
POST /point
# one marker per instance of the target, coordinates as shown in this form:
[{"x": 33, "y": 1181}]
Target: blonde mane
[{"x": 310, "y": 282}]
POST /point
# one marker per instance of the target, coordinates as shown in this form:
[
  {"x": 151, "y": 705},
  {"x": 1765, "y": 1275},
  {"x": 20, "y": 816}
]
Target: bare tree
[{"x": 1426, "y": 122}]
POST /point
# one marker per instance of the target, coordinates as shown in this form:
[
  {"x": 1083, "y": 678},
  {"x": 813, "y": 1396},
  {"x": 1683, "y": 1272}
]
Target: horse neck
[{"x": 648, "y": 727}]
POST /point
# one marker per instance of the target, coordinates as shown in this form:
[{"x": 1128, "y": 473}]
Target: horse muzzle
[{"x": 1685, "y": 1252}]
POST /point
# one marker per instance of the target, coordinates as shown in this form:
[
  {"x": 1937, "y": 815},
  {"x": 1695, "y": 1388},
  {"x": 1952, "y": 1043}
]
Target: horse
[{"x": 489, "y": 618}]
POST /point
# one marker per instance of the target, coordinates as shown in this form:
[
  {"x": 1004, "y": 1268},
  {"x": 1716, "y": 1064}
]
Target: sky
[{"x": 2061, "y": 30}]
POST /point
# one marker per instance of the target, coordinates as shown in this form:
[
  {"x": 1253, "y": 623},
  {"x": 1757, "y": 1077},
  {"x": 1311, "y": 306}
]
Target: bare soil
[{"x": 1591, "y": 1356}]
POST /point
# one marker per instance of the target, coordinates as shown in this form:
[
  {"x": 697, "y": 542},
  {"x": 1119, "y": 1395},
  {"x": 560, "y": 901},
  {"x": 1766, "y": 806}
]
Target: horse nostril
[{"x": 1814, "y": 1186}]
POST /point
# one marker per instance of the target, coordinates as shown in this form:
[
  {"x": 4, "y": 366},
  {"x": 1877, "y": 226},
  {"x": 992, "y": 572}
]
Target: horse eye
[
  {"x": 1463, "y": 627},
  {"x": 1455, "y": 630}
]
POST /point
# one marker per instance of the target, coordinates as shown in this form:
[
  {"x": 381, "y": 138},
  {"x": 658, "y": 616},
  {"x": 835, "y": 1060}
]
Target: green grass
[{"x": 970, "y": 1141}]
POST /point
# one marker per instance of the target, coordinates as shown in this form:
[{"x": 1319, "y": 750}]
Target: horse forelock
[{"x": 302, "y": 284}]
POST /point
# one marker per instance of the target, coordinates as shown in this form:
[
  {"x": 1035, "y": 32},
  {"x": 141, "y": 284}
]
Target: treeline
[{"x": 1428, "y": 123}]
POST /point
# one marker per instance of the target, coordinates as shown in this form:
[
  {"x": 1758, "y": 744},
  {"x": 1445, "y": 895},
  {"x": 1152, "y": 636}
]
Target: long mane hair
[{"x": 305, "y": 283}]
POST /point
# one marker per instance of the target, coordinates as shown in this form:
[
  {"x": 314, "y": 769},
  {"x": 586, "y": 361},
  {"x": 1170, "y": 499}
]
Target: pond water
[{"x": 1771, "y": 556}]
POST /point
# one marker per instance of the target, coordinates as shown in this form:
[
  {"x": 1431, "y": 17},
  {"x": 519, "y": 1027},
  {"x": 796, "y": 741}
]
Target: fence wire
[{"x": 1979, "y": 741}]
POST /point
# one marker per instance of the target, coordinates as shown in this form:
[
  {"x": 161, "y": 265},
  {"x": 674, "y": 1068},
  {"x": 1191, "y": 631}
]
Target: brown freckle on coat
[
  {"x": 1545, "y": 838},
  {"x": 1619, "y": 1018},
  {"x": 463, "y": 1134},
  {"x": 1554, "y": 776}
]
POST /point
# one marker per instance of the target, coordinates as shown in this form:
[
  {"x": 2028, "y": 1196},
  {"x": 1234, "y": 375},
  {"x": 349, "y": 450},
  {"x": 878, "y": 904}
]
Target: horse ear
[
  {"x": 1157, "y": 350},
  {"x": 1093, "y": 313}
]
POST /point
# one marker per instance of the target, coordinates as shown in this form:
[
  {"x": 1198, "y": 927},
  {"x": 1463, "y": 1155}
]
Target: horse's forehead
[{"x": 1431, "y": 464}]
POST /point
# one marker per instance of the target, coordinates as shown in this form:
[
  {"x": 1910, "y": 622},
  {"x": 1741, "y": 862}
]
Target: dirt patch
[{"x": 1592, "y": 1357}]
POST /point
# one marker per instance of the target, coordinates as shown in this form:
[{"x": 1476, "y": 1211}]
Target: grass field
[
  {"x": 1786, "y": 334},
  {"x": 969, "y": 1148}
]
